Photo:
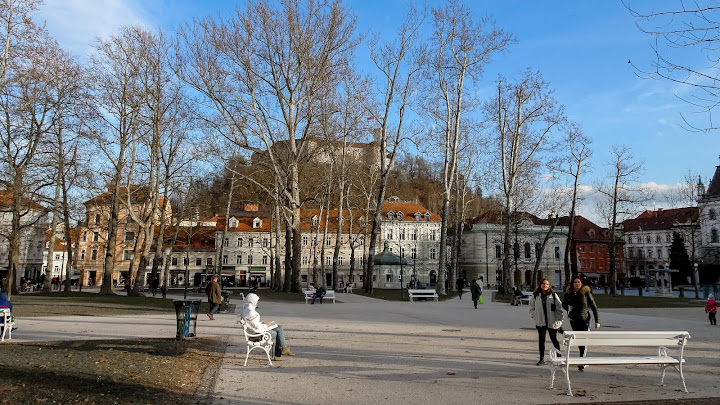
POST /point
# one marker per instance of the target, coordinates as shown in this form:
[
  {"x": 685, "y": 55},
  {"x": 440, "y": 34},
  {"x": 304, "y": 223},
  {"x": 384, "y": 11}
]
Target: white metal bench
[
  {"x": 257, "y": 341},
  {"x": 525, "y": 299},
  {"x": 7, "y": 325},
  {"x": 670, "y": 349},
  {"x": 329, "y": 295},
  {"x": 418, "y": 293}
]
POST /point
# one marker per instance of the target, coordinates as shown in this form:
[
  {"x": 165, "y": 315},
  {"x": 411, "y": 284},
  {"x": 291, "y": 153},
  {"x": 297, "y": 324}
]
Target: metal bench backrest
[{"x": 613, "y": 338}]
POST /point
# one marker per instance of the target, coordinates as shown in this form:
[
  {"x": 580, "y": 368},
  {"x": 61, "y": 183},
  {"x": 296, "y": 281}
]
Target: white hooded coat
[
  {"x": 251, "y": 316},
  {"x": 554, "y": 318}
]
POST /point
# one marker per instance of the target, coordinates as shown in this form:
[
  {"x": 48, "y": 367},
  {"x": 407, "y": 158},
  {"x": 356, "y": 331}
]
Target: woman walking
[
  {"x": 475, "y": 292},
  {"x": 579, "y": 301},
  {"x": 546, "y": 311}
]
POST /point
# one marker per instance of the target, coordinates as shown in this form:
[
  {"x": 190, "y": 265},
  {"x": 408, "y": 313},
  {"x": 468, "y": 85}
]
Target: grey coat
[{"x": 554, "y": 311}]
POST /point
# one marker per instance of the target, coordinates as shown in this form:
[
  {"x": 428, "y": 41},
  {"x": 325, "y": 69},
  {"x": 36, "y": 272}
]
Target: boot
[
  {"x": 286, "y": 352},
  {"x": 278, "y": 358}
]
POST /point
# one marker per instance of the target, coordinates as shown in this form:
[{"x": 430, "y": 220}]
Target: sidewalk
[{"x": 367, "y": 351}]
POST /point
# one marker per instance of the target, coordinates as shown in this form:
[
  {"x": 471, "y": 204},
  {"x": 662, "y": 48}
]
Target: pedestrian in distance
[
  {"x": 214, "y": 297},
  {"x": 579, "y": 302},
  {"x": 154, "y": 285},
  {"x": 711, "y": 309},
  {"x": 546, "y": 311},
  {"x": 460, "y": 283},
  {"x": 475, "y": 292}
]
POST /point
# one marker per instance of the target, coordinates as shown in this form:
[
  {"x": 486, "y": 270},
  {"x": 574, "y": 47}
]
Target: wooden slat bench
[
  {"x": 670, "y": 350},
  {"x": 7, "y": 323},
  {"x": 329, "y": 295},
  {"x": 419, "y": 293}
]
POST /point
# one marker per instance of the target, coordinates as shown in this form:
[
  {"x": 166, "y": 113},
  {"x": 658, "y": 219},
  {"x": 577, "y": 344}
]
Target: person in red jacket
[{"x": 711, "y": 309}]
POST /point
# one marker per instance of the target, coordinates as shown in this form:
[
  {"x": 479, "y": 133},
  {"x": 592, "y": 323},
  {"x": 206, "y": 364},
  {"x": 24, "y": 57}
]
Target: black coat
[{"x": 582, "y": 302}]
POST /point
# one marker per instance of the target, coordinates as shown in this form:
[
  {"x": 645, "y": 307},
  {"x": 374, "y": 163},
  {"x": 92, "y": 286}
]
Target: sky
[{"x": 581, "y": 47}]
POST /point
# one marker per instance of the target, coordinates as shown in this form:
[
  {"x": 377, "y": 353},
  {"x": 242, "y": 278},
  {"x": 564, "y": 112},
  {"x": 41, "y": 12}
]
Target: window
[
  {"x": 537, "y": 249},
  {"x": 402, "y": 234},
  {"x": 304, "y": 260},
  {"x": 82, "y": 254},
  {"x": 328, "y": 241},
  {"x": 84, "y": 237},
  {"x": 238, "y": 259},
  {"x": 129, "y": 236},
  {"x": 225, "y": 259},
  {"x": 592, "y": 264},
  {"x": 57, "y": 257},
  {"x": 186, "y": 261},
  {"x": 127, "y": 254},
  {"x": 362, "y": 260},
  {"x": 629, "y": 239},
  {"x": 304, "y": 240},
  {"x": 174, "y": 261},
  {"x": 340, "y": 260},
  {"x": 668, "y": 238},
  {"x": 557, "y": 252},
  {"x": 630, "y": 252},
  {"x": 198, "y": 261},
  {"x": 389, "y": 277},
  {"x": 657, "y": 238},
  {"x": 227, "y": 242},
  {"x": 249, "y": 261},
  {"x": 208, "y": 261},
  {"x": 265, "y": 259},
  {"x": 328, "y": 260},
  {"x": 516, "y": 250},
  {"x": 432, "y": 235},
  {"x": 433, "y": 254},
  {"x": 265, "y": 242},
  {"x": 714, "y": 235},
  {"x": 250, "y": 242},
  {"x": 413, "y": 235},
  {"x": 96, "y": 236},
  {"x": 527, "y": 250},
  {"x": 498, "y": 251},
  {"x": 97, "y": 218},
  {"x": 659, "y": 253},
  {"x": 650, "y": 253},
  {"x": 389, "y": 234},
  {"x": 640, "y": 253},
  {"x": 592, "y": 248},
  {"x": 647, "y": 239},
  {"x": 582, "y": 249},
  {"x": 93, "y": 254},
  {"x": 637, "y": 239},
  {"x": 711, "y": 214},
  {"x": 413, "y": 253},
  {"x": 239, "y": 242},
  {"x": 342, "y": 240}
]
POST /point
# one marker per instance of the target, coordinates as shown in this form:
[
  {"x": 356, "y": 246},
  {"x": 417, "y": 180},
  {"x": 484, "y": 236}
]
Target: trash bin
[
  {"x": 225, "y": 304},
  {"x": 186, "y": 312}
]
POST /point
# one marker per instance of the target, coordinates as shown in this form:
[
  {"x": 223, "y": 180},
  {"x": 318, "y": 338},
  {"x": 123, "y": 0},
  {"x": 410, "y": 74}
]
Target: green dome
[{"x": 388, "y": 258}]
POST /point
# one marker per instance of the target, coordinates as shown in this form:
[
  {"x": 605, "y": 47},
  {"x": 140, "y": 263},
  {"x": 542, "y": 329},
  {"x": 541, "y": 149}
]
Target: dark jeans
[
  {"x": 711, "y": 316},
  {"x": 475, "y": 302},
  {"x": 541, "y": 339},
  {"x": 460, "y": 291},
  {"x": 580, "y": 326},
  {"x": 214, "y": 308},
  {"x": 317, "y": 296}
]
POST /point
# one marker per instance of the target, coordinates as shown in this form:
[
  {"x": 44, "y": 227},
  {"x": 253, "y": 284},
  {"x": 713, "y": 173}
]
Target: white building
[
  {"x": 481, "y": 250},
  {"x": 32, "y": 238}
]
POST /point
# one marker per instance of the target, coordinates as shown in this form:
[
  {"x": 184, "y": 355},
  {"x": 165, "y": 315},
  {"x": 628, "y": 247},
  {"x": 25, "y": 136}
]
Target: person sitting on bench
[
  {"x": 254, "y": 326},
  {"x": 319, "y": 293}
]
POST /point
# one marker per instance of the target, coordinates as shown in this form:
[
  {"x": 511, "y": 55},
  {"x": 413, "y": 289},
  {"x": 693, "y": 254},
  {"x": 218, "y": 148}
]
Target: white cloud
[{"x": 77, "y": 24}]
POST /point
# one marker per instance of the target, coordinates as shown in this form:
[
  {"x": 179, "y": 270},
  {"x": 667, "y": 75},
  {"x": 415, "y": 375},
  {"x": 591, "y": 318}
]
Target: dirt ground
[{"x": 152, "y": 371}]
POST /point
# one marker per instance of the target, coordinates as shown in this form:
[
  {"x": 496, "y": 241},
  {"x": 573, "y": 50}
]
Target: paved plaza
[{"x": 367, "y": 351}]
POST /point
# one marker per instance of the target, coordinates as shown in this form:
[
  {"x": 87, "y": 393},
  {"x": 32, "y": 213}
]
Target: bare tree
[
  {"x": 524, "y": 116},
  {"x": 683, "y": 34},
  {"x": 621, "y": 198},
  {"x": 398, "y": 63},
  {"x": 573, "y": 162},
  {"x": 263, "y": 72},
  {"x": 461, "y": 46}
]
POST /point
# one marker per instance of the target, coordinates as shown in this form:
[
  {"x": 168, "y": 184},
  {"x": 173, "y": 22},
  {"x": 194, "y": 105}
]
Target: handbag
[{"x": 480, "y": 300}]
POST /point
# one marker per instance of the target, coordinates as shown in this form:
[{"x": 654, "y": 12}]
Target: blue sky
[{"x": 581, "y": 47}]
